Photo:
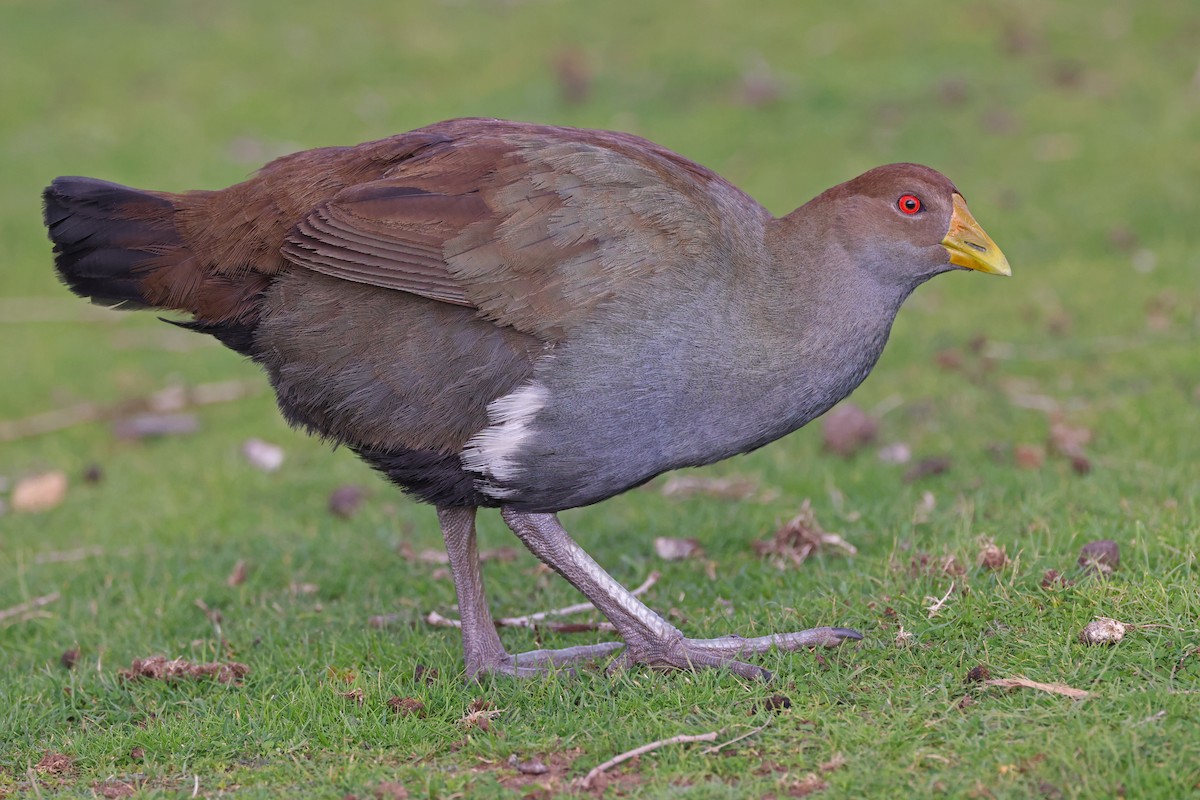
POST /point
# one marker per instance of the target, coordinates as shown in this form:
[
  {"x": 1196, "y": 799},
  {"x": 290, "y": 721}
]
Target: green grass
[{"x": 1070, "y": 127}]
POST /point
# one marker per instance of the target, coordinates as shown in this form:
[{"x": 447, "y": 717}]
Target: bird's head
[{"x": 907, "y": 223}]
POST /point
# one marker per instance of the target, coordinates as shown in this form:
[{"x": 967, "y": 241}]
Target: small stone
[
  {"x": 39, "y": 492},
  {"x": 847, "y": 428},
  {"x": 1103, "y": 630},
  {"x": 895, "y": 453},
  {"x": 534, "y": 766},
  {"x": 262, "y": 455}
]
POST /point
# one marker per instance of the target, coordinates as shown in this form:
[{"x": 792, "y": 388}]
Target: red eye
[{"x": 909, "y": 203}]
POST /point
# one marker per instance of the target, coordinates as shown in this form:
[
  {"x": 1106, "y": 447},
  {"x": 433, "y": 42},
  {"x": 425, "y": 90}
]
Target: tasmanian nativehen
[{"x": 497, "y": 314}]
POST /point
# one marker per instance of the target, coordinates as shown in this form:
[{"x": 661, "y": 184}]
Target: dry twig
[
  {"x": 938, "y": 605},
  {"x": 1052, "y": 688},
  {"x": 23, "y": 610},
  {"x": 172, "y": 398},
  {"x": 535, "y": 620},
  {"x": 600, "y": 769},
  {"x": 716, "y": 748}
]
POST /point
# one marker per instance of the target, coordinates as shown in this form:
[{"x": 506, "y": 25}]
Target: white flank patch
[{"x": 494, "y": 449}]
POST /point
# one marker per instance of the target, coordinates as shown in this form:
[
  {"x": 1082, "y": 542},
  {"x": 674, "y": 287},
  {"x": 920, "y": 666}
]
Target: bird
[{"x": 531, "y": 318}]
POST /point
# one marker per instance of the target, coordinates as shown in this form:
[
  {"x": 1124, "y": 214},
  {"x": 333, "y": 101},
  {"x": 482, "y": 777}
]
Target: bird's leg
[
  {"x": 482, "y": 650},
  {"x": 649, "y": 638}
]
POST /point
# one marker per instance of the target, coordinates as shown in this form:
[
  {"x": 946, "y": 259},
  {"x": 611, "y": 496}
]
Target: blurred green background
[{"x": 1072, "y": 128}]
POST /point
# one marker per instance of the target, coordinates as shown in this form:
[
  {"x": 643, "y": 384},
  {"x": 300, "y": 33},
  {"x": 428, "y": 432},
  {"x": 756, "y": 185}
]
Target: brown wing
[
  {"x": 532, "y": 226},
  {"x": 386, "y": 235}
]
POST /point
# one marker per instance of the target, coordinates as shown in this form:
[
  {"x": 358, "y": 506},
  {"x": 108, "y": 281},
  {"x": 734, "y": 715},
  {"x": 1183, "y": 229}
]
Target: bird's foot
[
  {"x": 724, "y": 652},
  {"x": 538, "y": 663}
]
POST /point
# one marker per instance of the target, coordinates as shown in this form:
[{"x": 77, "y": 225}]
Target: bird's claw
[{"x": 724, "y": 652}]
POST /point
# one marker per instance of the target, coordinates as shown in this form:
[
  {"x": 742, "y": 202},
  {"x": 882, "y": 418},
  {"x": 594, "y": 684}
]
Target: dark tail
[
  {"x": 120, "y": 247},
  {"x": 107, "y": 237}
]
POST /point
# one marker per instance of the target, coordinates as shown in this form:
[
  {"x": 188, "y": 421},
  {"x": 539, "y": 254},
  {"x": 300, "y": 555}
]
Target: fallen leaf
[
  {"x": 1052, "y": 688},
  {"x": 1068, "y": 440},
  {"x": 161, "y": 668},
  {"x": 390, "y": 790},
  {"x": 836, "y": 762},
  {"x": 670, "y": 549},
  {"x": 1029, "y": 456},
  {"x": 950, "y": 359},
  {"x": 991, "y": 556},
  {"x": 1101, "y": 556},
  {"x": 927, "y": 467},
  {"x": 39, "y": 492},
  {"x": 354, "y": 695},
  {"x": 480, "y": 714},
  {"x": 573, "y": 75},
  {"x": 1053, "y": 577},
  {"x": 345, "y": 501},
  {"x": 262, "y": 455},
  {"x": 978, "y": 674},
  {"x": 406, "y": 706},
  {"x": 776, "y": 703},
  {"x": 923, "y": 563},
  {"x": 237, "y": 576},
  {"x": 809, "y": 784},
  {"x": 847, "y": 428},
  {"x": 69, "y": 658},
  {"x": 114, "y": 789},
  {"x": 53, "y": 763},
  {"x": 799, "y": 538}
]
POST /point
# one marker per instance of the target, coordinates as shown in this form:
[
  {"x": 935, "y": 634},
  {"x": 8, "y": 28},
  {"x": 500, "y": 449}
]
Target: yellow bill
[{"x": 969, "y": 246}]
